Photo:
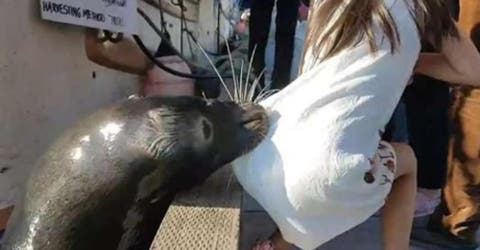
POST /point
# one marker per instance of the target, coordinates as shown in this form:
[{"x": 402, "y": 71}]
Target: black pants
[
  {"x": 427, "y": 102},
  {"x": 424, "y": 109},
  {"x": 259, "y": 27}
]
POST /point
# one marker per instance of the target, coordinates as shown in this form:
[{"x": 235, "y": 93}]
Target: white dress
[{"x": 309, "y": 173}]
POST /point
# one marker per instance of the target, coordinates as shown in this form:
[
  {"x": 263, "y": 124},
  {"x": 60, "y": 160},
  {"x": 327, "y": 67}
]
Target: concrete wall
[{"x": 46, "y": 84}]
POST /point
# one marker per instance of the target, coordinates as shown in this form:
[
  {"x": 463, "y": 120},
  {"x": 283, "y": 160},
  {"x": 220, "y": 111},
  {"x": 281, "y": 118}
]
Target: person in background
[
  {"x": 427, "y": 101},
  {"x": 127, "y": 57},
  {"x": 259, "y": 28},
  {"x": 456, "y": 220},
  {"x": 421, "y": 120}
]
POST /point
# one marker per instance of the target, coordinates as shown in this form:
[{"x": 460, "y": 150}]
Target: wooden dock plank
[{"x": 207, "y": 217}]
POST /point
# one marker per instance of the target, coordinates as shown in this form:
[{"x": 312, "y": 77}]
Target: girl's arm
[{"x": 458, "y": 62}]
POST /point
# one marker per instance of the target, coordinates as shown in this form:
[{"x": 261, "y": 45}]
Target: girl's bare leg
[{"x": 400, "y": 205}]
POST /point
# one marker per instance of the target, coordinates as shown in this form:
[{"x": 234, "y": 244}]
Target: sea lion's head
[{"x": 202, "y": 134}]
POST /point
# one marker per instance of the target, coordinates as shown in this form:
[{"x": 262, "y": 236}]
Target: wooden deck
[{"x": 206, "y": 218}]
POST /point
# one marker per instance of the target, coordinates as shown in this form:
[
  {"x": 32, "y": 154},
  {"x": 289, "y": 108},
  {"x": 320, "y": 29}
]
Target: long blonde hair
[{"x": 334, "y": 25}]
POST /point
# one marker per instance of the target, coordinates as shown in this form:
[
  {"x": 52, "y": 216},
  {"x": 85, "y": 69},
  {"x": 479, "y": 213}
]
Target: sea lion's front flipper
[{"x": 143, "y": 220}]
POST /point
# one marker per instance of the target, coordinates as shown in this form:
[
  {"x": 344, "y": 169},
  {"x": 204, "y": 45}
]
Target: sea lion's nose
[{"x": 253, "y": 112}]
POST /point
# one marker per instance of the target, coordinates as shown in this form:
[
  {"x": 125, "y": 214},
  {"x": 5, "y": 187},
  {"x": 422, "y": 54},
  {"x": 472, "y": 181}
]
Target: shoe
[{"x": 435, "y": 236}]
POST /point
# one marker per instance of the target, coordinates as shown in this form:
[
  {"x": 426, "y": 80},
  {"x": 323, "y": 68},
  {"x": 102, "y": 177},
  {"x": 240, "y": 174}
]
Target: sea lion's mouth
[
  {"x": 254, "y": 118},
  {"x": 253, "y": 114}
]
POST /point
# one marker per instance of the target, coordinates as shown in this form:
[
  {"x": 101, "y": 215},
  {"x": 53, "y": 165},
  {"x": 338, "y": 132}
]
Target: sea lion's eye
[{"x": 207, "y": 129}]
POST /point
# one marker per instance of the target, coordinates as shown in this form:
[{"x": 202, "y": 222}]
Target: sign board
[{"x": 113, "y": 15}]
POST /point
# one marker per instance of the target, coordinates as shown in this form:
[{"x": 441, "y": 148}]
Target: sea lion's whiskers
[
  {"x": 204, "y": 96},
  {"x": 264, "y": 95},
  {"x": 254, "y": 85},
  {"x": 229, "y": 182},
  {"x": 230, "y": 58},
  {"x": 241, "y": 83},
  {"x": 235, "y": 88},
  {"x": 215, "y": 69},
  {"x": 262, "y": 90},
  {"x": 247, "y": 80}
]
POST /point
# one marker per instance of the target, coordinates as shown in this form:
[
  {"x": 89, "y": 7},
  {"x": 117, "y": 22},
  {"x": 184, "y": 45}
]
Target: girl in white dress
[{"x": 323, "y": 168}]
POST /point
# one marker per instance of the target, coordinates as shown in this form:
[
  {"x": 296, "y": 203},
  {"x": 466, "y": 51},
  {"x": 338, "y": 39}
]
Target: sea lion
[{"x": 107, "y": 182}]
